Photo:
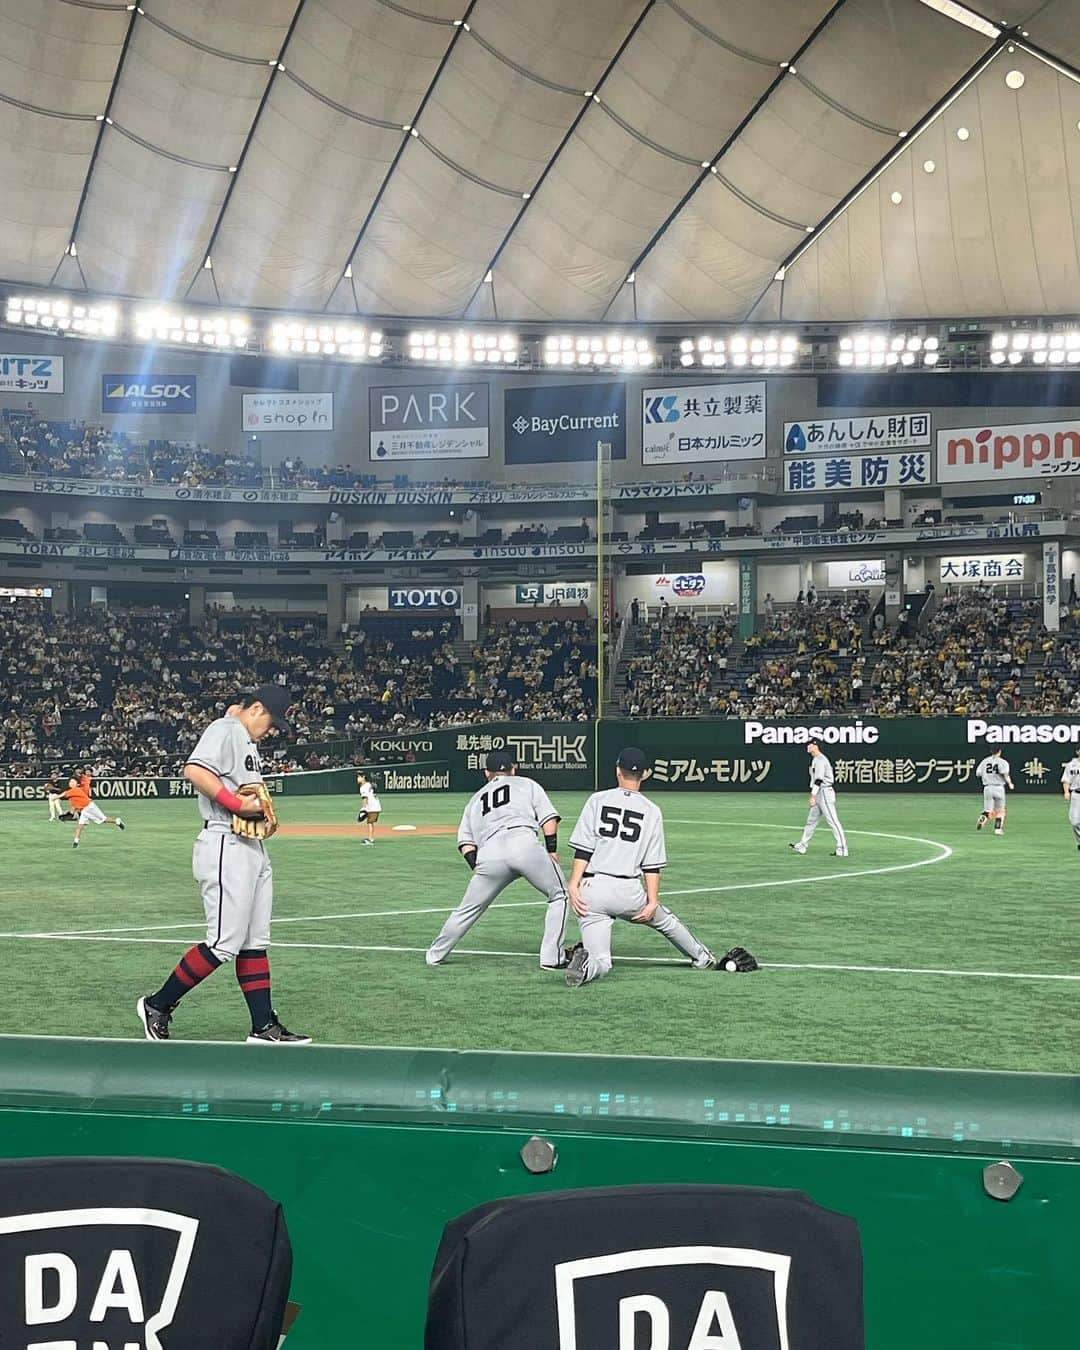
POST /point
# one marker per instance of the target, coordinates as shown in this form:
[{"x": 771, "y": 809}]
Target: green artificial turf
[{"x": 349, "y": 938}]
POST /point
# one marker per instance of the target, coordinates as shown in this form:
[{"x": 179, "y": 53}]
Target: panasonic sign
[
  {"x": 982, "y": 732},
  {"x": 762, "y": 733}
]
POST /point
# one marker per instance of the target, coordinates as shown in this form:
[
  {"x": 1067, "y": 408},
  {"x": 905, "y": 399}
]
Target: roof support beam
[
  {"x": 586, "y": 105},
  {"x": 103, "y": 126},
  {"x": 235, "y": 178},
  {"x": 781, "y": 75},
  {"x": 459, "y": 28},
  {"x": 879, "y": 168}
]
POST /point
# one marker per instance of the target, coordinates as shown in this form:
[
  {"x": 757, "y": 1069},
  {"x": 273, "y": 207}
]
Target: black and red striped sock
[
  {"x": 253, "y": 976},
  {"x": 193, "y": 968}
]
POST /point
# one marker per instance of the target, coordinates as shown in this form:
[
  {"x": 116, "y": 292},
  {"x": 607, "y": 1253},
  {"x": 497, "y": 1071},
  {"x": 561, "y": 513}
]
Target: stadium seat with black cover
[
  {"x": 133, "y": 1251},
  {"x": 648, "y": 1268}
]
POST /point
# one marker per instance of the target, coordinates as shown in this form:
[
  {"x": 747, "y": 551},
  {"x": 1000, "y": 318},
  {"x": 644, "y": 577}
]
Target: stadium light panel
[
  {"x": 997, "y": 358},
  {"x": 1039, "y": 357},
  {"x": 1021, "y": 342},
  {"x": 930, "y": 358},
  {"x": 1015, "y": 358},
  {"x": 686, "y": 359},
  {"x": 961, "y": 14},
  {"x": 999, "y": 341}
]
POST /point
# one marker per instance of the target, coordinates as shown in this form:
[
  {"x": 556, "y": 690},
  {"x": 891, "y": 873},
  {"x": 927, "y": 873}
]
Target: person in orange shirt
[{"x": 89, "y": 812}]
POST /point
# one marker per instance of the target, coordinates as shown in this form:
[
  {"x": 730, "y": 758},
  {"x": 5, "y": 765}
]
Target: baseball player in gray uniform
[
  {"x": 1070, "y": 786},
  {"x": 619, "y": 852},
  {"x": 822, "y": 803},
  {"x": 497, "y": 839},
  {"x": 234, "y": 873},
  {"x": 993, "y": 773}
]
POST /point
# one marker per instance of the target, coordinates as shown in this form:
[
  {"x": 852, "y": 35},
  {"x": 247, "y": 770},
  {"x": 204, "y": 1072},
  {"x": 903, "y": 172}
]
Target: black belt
[{"x": 619, "y": 876}]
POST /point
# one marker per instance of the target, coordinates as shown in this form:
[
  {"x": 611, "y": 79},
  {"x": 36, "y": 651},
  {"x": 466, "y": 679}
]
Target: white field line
[
  {"x": 644, "y": 960},
  {"x": 944, "y": 852}
]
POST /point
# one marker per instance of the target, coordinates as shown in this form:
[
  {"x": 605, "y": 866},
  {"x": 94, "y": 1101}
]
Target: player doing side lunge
[
  {"x": 233, "y": 870},
  {"x": 497, "y": 839},
  {"x": 619, "y": 851},
  {"x": 822, "y": 803},
  {"x": 994, "y": 774}
]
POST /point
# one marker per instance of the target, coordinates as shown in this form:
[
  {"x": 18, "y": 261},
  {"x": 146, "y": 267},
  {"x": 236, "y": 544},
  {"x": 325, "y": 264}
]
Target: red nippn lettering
[{"x": 1004, "y": 448}]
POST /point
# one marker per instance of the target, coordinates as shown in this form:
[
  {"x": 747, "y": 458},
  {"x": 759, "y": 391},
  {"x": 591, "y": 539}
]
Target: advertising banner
[
  {"x": 560, "y": 424},
  {"x": 984, "y": 567},
  {"x": 904, "y": 754},
  {"x": 424, "y": 597},
  {"x": 22, "y": 374},
  {"x": 681, "y": 425},
  {"x": 886, "y": 431},
  {"x": 716, "y": 586},
  {"x": 559, "y": 754},
  {"x": 431, "y": 421},
  {"x": 148, "y": 393},
  {"x": 545, "y": 593},
  {"x": 747, "y": 596},
  {"x": 857, "y": 572},
  {"x": 1025, "y": 450},
  {"x": 288, "y": 412},
  {"x": 1051, "y": 561},
  {"x": 842, "y": 473}
]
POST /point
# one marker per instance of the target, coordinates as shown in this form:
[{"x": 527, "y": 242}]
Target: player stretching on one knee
[
  {"x": 993, "y": 773},
  {"x": 234, "y": 872},
  {"x": 822, "y": 803},
  {"x": 498, "y": 840},
  {"x": 619, "y": 851}
]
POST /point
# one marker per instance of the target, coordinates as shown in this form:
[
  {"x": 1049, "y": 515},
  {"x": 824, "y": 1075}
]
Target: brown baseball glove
[{"x": 257, "y": 827}]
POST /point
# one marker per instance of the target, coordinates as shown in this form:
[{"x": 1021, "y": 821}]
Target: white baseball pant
[
  {"x": 824, "y": 806},
  {"x": 237, "y": 884},
  {"x": 610, "y": 898}
]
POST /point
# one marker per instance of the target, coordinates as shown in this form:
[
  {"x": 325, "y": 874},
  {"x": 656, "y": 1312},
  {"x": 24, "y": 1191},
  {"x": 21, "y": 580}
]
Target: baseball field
[{"x": 930, "y": 945}]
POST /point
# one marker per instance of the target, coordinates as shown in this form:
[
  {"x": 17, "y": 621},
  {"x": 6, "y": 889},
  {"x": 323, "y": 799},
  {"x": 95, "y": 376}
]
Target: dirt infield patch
[{"x": 344, "y": 831}]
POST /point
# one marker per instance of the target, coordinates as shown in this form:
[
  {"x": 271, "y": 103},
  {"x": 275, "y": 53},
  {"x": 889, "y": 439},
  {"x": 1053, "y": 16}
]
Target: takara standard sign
[
  {"x": 911, "y": 468},
  {"x": 445, "y": 421},
  {"x": 1027, "y": 450},
  {"x": 681, "y": 425},
  {"x": 22, "y": 374},
  {"x": 288, "y": 412},
  {"x": 886, "y": 431}
]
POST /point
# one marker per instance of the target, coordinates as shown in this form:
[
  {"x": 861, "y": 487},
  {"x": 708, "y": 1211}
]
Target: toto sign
[{"x": 424, "y": 597}]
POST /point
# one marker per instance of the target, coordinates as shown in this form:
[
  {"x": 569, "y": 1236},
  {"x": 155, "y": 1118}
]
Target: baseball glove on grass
[
  {"x": 737, "y": 961},
  {"x": 259, "y": 827}
]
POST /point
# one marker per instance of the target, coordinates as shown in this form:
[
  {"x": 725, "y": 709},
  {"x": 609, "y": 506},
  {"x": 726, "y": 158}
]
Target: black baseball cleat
[
  {"x": 75, "y": 844},
  {"x": 274, "y": 1033},
  {"x": 155, "y": 1021},
  {"x": 567, "y": 953},
  {"x": 836, "y": 854},
  {"x": 120, "y": 824},
  {"x": 575, "y": 971}
]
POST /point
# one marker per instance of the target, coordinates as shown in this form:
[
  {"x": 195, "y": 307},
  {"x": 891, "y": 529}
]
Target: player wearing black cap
[
  {"x": 619, "y": 852},
  {"x": 233, "y": 872},
  {"x": 499, "y": 842}
]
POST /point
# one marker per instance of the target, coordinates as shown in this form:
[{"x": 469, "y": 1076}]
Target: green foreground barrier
[
  {"x": 372, "y": 1151},
  {"x": 916, "y": 754}
]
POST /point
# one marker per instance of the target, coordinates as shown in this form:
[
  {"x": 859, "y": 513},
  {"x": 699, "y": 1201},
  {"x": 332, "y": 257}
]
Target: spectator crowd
[{"x": 129, "y": 691}]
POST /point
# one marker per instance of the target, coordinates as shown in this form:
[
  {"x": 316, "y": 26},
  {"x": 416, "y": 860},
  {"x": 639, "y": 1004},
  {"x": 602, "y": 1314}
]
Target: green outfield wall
[
  {"x": 869, "y": 754},
  {"x": 372, "y": 1151}
]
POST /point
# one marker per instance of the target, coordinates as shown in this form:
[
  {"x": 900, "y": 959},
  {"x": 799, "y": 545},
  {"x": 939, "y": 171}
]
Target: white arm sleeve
[
  {"x": 217, "y": 750},
  {"x": 467, "y": 829},
  {"x": 542, "y": 805},
  {"x": 584, "y": 837},
  {"x": 655, "y": 854}
]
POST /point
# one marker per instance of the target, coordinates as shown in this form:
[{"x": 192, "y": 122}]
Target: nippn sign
[{"x": 1026, "y": 450}]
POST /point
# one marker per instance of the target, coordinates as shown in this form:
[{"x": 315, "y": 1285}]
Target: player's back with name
[
  {"x": 506, "y": 802},
  {"x": 622, "y": 831}
]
